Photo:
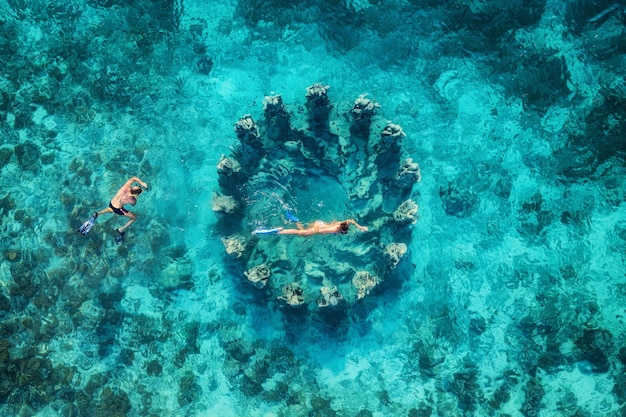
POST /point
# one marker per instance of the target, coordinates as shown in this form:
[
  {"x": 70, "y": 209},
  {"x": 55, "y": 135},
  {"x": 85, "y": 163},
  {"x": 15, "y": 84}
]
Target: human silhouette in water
[
  {"x": 127, "y": 194},
  {"x": 318, "y": 227}
]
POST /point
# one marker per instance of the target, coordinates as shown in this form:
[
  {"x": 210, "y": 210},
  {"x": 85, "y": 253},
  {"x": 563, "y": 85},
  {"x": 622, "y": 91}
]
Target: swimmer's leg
[{"x": 128, "y": 223}]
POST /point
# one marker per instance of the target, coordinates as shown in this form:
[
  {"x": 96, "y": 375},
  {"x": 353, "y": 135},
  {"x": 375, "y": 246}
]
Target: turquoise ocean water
[{"x": 508, "y": 298}]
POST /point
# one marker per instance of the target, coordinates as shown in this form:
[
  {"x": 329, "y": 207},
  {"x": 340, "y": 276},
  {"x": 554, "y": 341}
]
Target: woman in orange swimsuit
[
  {"x": 316, "y": 228},
  {"x": 321, "y": 228}
]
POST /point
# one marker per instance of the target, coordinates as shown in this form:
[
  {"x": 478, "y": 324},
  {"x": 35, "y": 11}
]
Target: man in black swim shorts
[
  {"x": 121, "y": 211},
  {"x": 127, "y": 194}
]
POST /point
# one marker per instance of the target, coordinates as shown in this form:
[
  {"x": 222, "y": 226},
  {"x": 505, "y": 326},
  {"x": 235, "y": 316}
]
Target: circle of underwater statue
[{"x": 328, "y": 170}]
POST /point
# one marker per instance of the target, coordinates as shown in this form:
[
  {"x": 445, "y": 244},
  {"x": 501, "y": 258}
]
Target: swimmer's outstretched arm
[
  {"x": 131, "y": 180},
  {"x": 358, "y": 226}
]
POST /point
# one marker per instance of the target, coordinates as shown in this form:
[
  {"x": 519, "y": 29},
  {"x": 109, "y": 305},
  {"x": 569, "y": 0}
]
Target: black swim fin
[
  {"x": 86, "y": 227},
  {"x": 120, "y": 238}
]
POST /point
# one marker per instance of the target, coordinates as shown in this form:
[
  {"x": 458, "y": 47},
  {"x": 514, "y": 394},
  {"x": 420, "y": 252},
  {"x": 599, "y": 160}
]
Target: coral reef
[{"x": 276, "y": 166}]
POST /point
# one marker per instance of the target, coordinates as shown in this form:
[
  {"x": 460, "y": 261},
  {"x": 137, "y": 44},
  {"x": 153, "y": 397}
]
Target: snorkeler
[
  {"x": 127, "y": 194},
  {"x": 316, "y": 228}
]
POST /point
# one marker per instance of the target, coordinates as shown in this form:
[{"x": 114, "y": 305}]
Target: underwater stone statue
[
  {"x": 279, "y": 167},
  {"x": 258, "y": 275},
  {"x": 387, "y": 151},
  {"x": 390, "y": 138},
  {"x": 246, "y": 129},
  {"x": 362, "y": 113},
  {"x": 276, "y": 117},
  {"x": 363, "y": 108},
  {"x": 319, "y": 106},
  {"x": 363, "y": 281},
  {"x": 394, "y": 252},
  {"x": 251, "y": 148},
  {"x": 228, "y": 166},
  {"x": 329, "y": 296},
  {"x": 230, "y": 176},
  {"x": 292, "y": 294},
  {"x": 317, "y": 98},
  {"x": 406, "y": 212},
  {"x": 408, "y": 174},
  {"x": 234, "y": 245},
  {"x": 223, "y": 203}
]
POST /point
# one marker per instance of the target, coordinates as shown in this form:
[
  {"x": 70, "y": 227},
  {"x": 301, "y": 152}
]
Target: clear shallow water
[{"x": 510, "y": 300}]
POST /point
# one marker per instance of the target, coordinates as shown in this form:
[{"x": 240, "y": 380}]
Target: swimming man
[{"x": 127, "y": 194}]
